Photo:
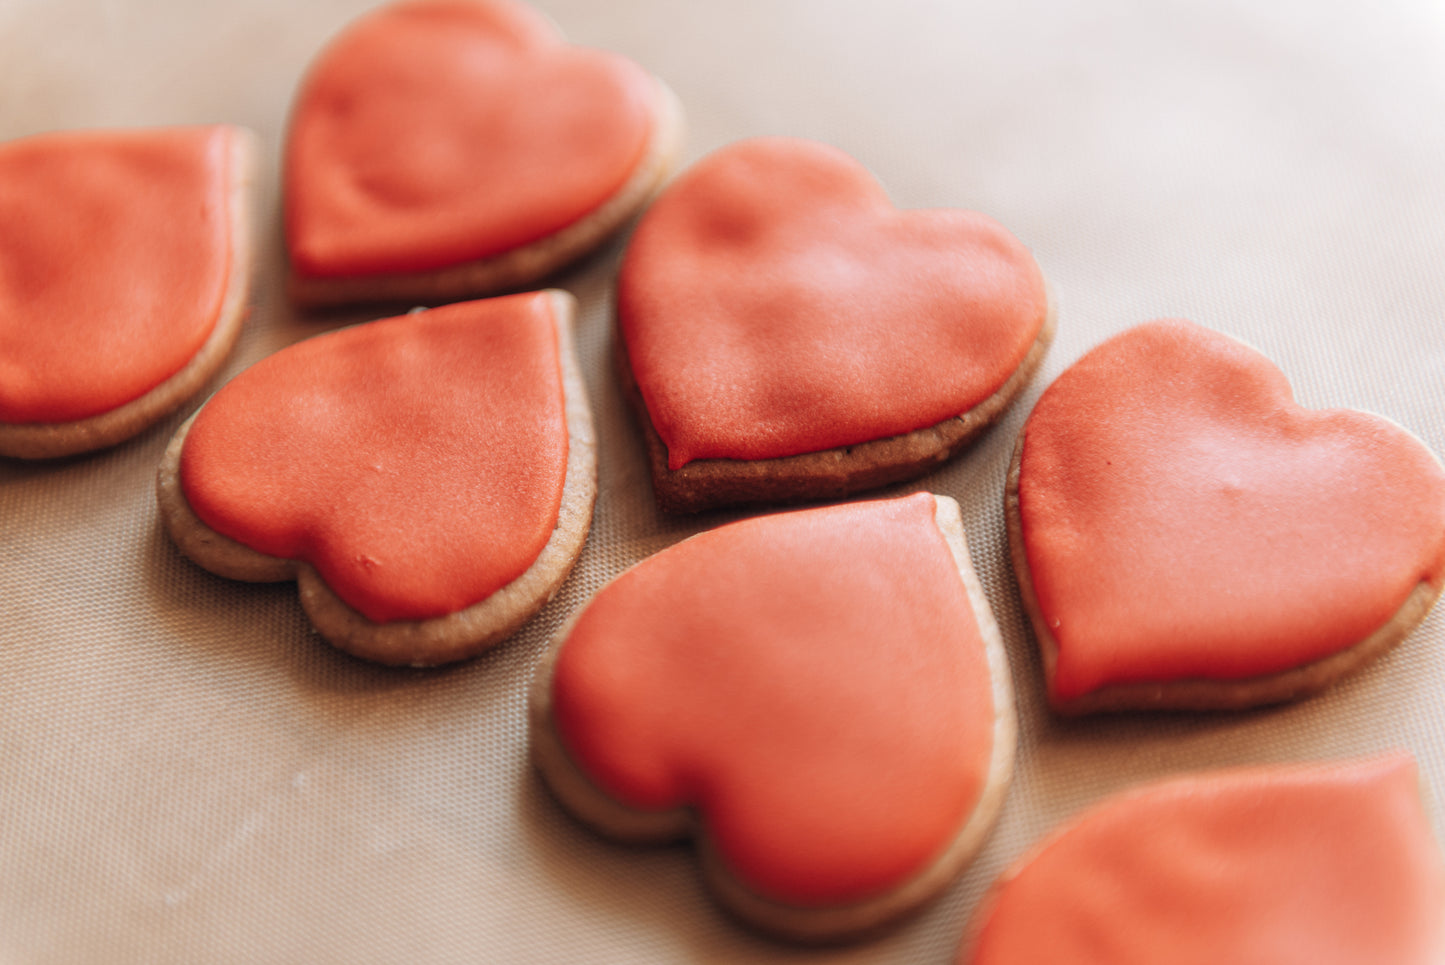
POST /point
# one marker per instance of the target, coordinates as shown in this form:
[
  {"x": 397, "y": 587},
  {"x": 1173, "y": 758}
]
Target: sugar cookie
[
  {"x": 1331, "y": 864},
  {"x": 124, "y": 275},
  {"x": 1186, "y": 535},
  {"x": 448, "y": 148},
  {"x": 428, "y": 480},
  {"x": 788, "y": 334},
  {"x": 821, "y": 697}
]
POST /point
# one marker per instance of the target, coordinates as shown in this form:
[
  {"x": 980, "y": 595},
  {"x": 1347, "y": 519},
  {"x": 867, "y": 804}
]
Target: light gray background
[{"x": 189, "y": 775}]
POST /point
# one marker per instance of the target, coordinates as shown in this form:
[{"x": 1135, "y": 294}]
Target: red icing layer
[
  {"x": 114, "y": 259},
  {"x": 1330, "y": 865},
  {"x": 416, "y": 462},
  {"x": 1184, "y": 518},
  {"x": 814, "y": 682},
  {"x": 437, "y": 132},
  {"x": 774, "y": 302}
]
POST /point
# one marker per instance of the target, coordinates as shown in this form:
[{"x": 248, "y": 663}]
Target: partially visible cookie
[
  {"x": 820, "y": 697},
  {"x": 427, "y": 480},
  {"x": 1187, "y": 536},
  {"x": 1327, "y": 864},
  {"x": 125, "y": 265},
  {"x": 441, "y": 149},
  {"x": 787, "y": 334}
]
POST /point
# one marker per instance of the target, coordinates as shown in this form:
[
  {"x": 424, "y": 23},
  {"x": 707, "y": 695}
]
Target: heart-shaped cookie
[
  {"x": 821, "y": 696},
  {"x": 441, "y": 148},
  {"x": 1186, "y": 535},
  {"x": 124, "y": 267},
  {"x": 1330, "y": 864},
  {"x": 427, "y": 479},
  {"x": 792, "y": 335}
]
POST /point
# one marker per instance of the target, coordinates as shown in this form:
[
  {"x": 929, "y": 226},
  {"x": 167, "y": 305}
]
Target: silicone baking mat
[{"x": 189, "y": 775}]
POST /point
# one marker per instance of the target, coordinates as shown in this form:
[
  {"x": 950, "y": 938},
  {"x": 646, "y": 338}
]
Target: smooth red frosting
[
  {"x": 436, "y": 132},
  {"x": 814, "y": 683},
  {"x": 1184, "y": 518},
  {"x": 115, "y": 254},
  {"x": 416, "y": 462},
  {"x": 1327, "y": 865},
  {"x": 774, "y": 302}
]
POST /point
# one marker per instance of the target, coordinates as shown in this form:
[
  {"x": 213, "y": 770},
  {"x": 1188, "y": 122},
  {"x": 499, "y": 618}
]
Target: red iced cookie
[
  {"x": 124, "y": 266},
  {"x": 793, "y": 335},
  {"x": 1324, "y": 865},
  {"x": 441, "y": 148},
  {"x": 427, "y": 479},
  {"x": 822, "y": 696},
  {"x": 1187, "y": 536}
]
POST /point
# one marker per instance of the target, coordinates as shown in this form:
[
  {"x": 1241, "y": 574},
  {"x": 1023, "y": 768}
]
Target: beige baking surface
[{"x": 188, "y": 775}]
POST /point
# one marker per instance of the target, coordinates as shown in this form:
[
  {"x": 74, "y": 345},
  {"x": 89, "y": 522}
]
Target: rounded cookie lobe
[
  {"x": 115, "y": 263},
  {"x": 1322, "y": 865},
  {"x": 432, "y": 133},
  {"x": 774, "y": 302},
  {"x": 817, "y": 685},
  {"x": 417, "y": 463},
  {"x": 1181, "y": 518}
]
